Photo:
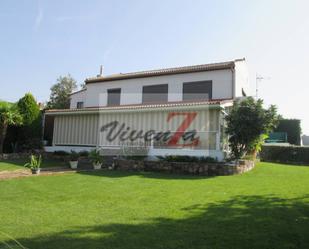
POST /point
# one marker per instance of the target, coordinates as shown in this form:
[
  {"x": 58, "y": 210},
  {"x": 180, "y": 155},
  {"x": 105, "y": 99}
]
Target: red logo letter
[{"x": 190, "y": 116}]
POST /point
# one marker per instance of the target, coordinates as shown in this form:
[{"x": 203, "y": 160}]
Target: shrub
[
  {"x": 248, "y": 123},
  {"x": 193, "y": 159},
  {"x": 208, "y": 159},
  {"x": 95, "y": 157},
  {"x": 84, "y": 153},
  {"x": 61, "y": 153},
  {"x": 285, "y": 154},
  {"x": 74, "y": 156}
]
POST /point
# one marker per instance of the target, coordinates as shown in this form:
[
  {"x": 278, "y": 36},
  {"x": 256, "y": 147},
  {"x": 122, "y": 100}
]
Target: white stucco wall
[
  {"x": 241, "y": 78},
  {"x": 77, "y": 97},
  {"x": 131, "y": 89}
]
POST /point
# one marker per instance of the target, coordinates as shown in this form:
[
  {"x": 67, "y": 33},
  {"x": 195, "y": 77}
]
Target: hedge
[{"x": 285, "y": 154}]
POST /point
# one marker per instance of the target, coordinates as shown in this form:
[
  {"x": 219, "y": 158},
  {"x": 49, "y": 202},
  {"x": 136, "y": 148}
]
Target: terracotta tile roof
[
  {"x": 167, "y": 71},
  {"x": 215, "y": 102}
]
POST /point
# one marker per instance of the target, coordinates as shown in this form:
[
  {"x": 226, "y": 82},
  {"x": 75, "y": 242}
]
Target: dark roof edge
[
  {"x": 166, "y": 71},
  {"x": 145, "y": 106}
]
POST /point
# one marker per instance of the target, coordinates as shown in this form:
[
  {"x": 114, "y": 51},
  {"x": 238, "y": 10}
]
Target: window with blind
[
  {"x": 113, "y": 96},
  {"x": 201, "y": 90},
  {"x": 155, "y": 93}
]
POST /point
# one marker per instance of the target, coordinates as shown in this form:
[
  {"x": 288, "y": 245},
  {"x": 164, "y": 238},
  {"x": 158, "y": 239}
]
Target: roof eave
[
  {"x": 141, "y": 108},
  {"x": 228, "y": 66}
]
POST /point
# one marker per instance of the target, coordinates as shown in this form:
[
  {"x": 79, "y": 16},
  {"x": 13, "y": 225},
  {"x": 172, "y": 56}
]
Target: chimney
[{"x": 101, "y": 71}]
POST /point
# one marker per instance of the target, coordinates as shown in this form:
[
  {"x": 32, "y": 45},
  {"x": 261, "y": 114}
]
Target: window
[
  {"x": 113, "y": 96},
  {"x": 201, "y": 90},
  {"x": 80, "y": 105},
  {"x": 155, "y": 93}
]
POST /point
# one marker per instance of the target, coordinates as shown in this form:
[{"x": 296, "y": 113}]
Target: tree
[
  {"x": 28, "y": 108},
  {"x": 248, "y": 124},
  {"x": 29, "y": 134},
  {"x": 9, "y": 115},
  {"x": 60, "y": 93}
]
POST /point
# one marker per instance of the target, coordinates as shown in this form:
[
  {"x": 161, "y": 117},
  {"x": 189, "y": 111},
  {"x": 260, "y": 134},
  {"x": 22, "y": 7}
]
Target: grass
[
  {"x": 18, "y": 164},
  {"x": 267, "y": 207}
]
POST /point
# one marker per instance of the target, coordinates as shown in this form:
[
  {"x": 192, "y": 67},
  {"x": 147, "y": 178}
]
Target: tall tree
[
  {"x": 28, "y": 108},
  {"x": 248, "y": 124},
  {"x": 60, "y": 93},
  {"x": 29, "y": 134},
  {"x": 9, "y": 115}
]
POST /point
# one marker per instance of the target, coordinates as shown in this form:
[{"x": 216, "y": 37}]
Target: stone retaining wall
[
  {"x": 13, "y": 156},
  {"x": 193, "y": 168}
]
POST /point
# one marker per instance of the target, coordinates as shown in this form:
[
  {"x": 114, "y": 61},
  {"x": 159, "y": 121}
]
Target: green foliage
[
  {"x": 256, "y": 146},
  {"x": 35, "y": 162},
  {"x": 292, "y": 127},
  {"x": 29, "y": 109},
  {"x": 95, "y": 157},
  {"x": 285, "y": 154},
  {"x": 84, "y": 153},
  {"x": 176, "y": 158},
  {"x": 74, "y": 156},
  {"x": 9, "y": 115},
  {"x": 208, "y": 159},
  {"x": 60, "y": 93},
  {"x": 61, "y": 153},
  {"x": 247, "y": 125},
  {"x": 28, "y": 136}
]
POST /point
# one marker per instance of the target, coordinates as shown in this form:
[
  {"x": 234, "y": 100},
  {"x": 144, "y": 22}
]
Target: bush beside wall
[{"x": 285, "y": 154}]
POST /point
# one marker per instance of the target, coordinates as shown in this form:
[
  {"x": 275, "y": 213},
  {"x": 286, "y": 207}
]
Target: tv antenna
[{"x": 259, "y": 79}]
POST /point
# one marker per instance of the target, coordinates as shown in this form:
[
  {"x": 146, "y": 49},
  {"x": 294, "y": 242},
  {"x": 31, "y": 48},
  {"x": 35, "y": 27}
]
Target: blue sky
[{"x": 41, "y": 40}]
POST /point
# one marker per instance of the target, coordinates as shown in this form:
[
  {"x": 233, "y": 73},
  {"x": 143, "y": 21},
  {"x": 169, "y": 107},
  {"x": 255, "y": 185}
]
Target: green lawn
[
  {"x": 265, "y": 208},
  {"x": 18, "y": 164}
]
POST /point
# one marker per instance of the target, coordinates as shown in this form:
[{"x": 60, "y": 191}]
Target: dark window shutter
[
  {"x": 155, "y": 93},
  {"x": 201, "y": 90},
  {"x": 113, "y": 96}
]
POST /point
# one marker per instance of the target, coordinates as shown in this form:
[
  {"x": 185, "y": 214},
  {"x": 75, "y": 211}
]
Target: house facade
[{"x": 174, "y": 111}]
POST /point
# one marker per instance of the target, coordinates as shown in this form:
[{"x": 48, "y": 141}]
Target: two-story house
[{"x": 176, "y": 111}]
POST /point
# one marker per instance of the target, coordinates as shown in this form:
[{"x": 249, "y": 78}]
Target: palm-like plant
[
  {"x": 35, "y": 162},
  {"x": 9, "y": 115},
  {"x": 95, "y": 157}
]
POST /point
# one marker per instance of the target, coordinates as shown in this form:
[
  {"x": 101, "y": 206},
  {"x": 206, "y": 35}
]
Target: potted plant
[
  {"x": 96, "y": 159},
  {"x": 34, "y": 164},
  {"x": 74, "y": 156}
]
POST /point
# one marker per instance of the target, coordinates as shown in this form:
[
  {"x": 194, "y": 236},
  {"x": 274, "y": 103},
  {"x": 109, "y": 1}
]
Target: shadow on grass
[
  {"x": 46, "y": 163},
  {"x": 242, "y": 222},
  {"x": 291, "y": 164},
  {"x": 146, "y": 174}
]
